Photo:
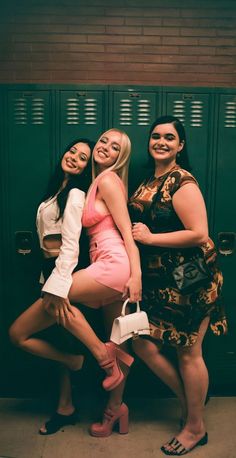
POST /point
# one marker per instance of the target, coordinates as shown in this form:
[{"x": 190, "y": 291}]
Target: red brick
[
  {"x": 106, "y": 39},
  {"x": 50, "y": 38},
  {"x": 124, "y": 49},
  {"x": 226, "y": 32},
  {"x": 180, "y": 41},
  {"x": 145, "y": 58},
  {"x": 168, "y": 31},
  {"x": 87, "y": 48},
  {"x": 123, "y": 30},
  {"x": 149, "y": 40},
  {"x": 198, "y": 32},
  {"x": 222, "y": 51},
  {"x": 161, "y": 49},
  {"x": 217, "y": 41},
  {"x": 195, "y": 50},
  {"x": 144, "y": 21}
]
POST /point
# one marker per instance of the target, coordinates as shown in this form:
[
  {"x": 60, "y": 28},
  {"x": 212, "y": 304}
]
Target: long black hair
[
  {"x": 182, "y": 158},
  {"x": 81, "y": 181}
]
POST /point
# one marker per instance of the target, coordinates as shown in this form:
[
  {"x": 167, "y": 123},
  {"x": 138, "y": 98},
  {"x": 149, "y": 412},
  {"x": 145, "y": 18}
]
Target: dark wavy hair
[
  {"x": 81, "y": 181},
  {"x": 182, "y": 158}
]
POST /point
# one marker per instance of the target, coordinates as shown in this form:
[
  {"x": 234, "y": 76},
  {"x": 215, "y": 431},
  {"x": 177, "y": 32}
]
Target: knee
[{"x": 187, "y": 359}]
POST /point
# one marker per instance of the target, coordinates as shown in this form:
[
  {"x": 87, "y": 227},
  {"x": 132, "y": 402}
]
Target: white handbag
[{"x": 129, "y": 326}]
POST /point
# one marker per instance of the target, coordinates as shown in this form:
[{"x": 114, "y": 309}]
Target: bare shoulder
[{"x": 109, "y": 180}]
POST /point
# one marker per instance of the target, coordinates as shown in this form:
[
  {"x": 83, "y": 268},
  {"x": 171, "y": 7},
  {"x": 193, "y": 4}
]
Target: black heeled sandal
[
  {"x": 177, "y": 449},
  {"x": 56, "y": 422}
]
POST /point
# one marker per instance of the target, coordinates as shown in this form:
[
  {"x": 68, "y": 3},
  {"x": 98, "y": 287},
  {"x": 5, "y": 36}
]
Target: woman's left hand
[
  {"x": 58, "y": 307},
  {"x": 141, "y": 233}
]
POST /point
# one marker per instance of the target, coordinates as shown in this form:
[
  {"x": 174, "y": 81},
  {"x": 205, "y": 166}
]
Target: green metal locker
[
  {"x": 222, "y": 351},
  {"x": 194, "y": 109},
  {"x": 81, "y": 112},
  {"x": 133, "y": 110}
]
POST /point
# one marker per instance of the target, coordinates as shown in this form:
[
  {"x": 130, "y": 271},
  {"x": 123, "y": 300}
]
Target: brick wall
[{"x": 157, "y": 42}]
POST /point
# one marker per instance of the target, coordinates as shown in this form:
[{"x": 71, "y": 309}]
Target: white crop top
[{"x": 69, "y": 227}]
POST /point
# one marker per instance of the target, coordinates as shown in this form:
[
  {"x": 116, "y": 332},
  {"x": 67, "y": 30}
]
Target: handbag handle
[{"x": 124, "y": 306}]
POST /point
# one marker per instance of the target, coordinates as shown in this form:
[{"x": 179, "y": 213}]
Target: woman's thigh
[
  {"x": 88, "y": 291},
  {"x": 33, "y": 320}
]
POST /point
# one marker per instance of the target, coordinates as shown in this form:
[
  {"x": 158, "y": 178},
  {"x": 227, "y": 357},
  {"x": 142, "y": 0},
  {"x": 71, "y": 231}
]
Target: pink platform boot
[
  {"x": 114, "y": 353},
  {"x": 110, "y": 418}
]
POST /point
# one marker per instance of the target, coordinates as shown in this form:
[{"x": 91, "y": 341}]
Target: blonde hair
[{"x": 121, "y": 166}]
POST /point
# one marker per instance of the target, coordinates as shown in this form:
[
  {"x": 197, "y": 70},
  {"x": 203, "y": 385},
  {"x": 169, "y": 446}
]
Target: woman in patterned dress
[{"x": 171, "y": 224}]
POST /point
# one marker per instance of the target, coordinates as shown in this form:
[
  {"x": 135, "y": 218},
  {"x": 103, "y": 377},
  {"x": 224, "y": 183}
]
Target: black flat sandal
[
  {"x": 56, "y": 422},
  {"x": 177, "y": 449}
]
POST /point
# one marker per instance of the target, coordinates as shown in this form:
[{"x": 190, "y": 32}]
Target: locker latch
[
  {"x": 24, "y": 241},
  {"x": 226, "y": 242}
]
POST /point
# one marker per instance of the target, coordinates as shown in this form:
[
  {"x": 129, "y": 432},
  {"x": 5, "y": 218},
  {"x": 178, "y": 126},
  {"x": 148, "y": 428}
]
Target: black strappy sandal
[
  {"x": 57, "y": 421},
  {"x": 177, "y": 449}
]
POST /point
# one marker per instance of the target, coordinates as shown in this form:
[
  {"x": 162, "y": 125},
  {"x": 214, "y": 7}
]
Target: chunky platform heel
[
  {"x": 114, "y": 354},
  {"x": 110, "y": 419}
]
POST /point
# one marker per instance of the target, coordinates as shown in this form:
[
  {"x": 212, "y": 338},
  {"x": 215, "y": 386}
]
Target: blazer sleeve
[{"x": 60, "y": 279}]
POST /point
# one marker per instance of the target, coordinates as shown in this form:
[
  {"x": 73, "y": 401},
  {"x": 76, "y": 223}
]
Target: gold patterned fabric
[{"x": 175, "y": 318}]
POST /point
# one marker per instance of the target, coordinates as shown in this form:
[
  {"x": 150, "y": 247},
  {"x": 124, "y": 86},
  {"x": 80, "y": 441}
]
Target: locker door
[
  {"x": 26, "y": 164},
  {"x": 82, "y": 113},
  {"x": 222, "y": 351},
  {"x": 193, "y": 109},
  {"x": 133, "y": 112}
]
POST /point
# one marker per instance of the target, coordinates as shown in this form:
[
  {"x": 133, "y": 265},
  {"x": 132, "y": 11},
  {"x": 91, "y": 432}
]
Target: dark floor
[{"x": 152, "y": 422}]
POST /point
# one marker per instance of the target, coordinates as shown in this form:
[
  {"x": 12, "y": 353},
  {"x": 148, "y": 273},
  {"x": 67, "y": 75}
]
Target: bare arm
[
  {"x": 190, "y": 207},
  {"x": 111, "y": 193}
]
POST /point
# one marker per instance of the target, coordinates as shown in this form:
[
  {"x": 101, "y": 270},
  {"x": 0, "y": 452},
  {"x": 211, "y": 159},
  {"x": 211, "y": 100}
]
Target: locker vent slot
[
  {"x": 20, "y": 111},
  {"x": 179, "y": 110},
  {"x": 230, "y": 114},
  {"x": 72, "y": 111},
  {"x": 143, "y": 112},
  {"x": 81, "y": 111},
  {"x": 37, "y": 111},
  {"x": 196, "y": 116},
  {"x": 90, "y": 111},
  {"x": 126, "y": 115},
  {"x": 135, "y": 111}
]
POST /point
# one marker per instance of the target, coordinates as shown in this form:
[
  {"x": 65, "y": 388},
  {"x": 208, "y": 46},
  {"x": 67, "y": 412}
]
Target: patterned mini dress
[{"x": 174, "y": 317}]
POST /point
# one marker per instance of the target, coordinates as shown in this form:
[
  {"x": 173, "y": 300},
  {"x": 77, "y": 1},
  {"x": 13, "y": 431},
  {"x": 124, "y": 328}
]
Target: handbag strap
[{"x": 124, "y": 306}]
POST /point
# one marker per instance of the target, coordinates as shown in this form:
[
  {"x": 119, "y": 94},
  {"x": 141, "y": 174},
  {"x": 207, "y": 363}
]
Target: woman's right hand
[
  {"x": 58, "y": 307},
  {"x": 133, "y": 289}
]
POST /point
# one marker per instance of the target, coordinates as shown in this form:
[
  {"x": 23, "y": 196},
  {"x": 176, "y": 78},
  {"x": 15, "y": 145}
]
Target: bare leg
[
  {"x": 36, "y": 319},
  {"x": 115, "y": 409},
  {"x": 33, "y": 320},
  {"x": 195, "y": 378},
  {"x": 109, "y": 314},
  {"x": 65, "y": 403},
  {"x": 150, "y": 353}
]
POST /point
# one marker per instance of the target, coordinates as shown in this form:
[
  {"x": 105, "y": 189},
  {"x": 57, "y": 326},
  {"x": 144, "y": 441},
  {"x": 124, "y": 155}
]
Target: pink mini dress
[{"x": 109, "y": 260}]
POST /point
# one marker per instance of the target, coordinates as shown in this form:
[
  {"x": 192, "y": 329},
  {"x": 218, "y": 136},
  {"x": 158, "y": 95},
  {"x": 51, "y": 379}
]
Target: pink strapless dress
[{"x": 109, "y": 260}]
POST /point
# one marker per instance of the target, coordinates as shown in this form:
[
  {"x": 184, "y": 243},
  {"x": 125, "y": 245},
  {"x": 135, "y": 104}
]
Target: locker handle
[
  {"x": 24, "y": 241},
  {"x": 226, "y": 242}
]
